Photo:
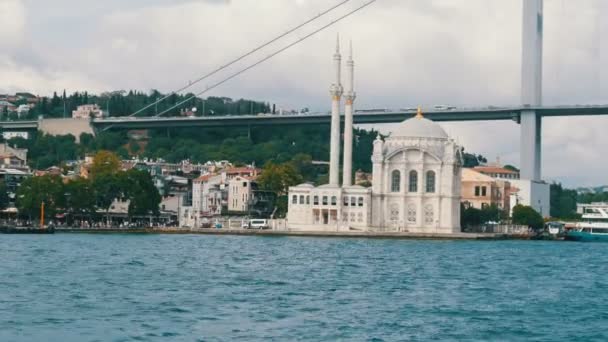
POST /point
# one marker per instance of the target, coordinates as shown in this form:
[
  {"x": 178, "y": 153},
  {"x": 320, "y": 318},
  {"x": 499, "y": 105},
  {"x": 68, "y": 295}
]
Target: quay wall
[{"x": 255, "y": 232}]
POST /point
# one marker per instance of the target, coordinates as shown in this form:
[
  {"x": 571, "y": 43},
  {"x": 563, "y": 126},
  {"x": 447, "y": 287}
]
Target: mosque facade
[{"x": 416, "y": 177}]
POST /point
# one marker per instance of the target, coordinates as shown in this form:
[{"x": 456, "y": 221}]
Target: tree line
[
  {"x": 123, "y": 103},
  {"x": 84, "y": 197}
]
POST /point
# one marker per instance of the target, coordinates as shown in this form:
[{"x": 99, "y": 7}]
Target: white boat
[{"x": 594, "y": 226}]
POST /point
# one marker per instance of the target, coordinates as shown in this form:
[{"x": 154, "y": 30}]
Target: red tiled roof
[
  {"x": 242, "y": 170},
  {"x": 493, "y": 169},
  {"x": 204, "y": 178}
]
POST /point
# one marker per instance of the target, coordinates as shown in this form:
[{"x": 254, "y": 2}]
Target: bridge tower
[{"x": 531, "y": 89}]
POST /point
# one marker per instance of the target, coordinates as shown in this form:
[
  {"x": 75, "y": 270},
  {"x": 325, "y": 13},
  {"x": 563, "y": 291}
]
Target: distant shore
[{"x": 255, "y": 232}]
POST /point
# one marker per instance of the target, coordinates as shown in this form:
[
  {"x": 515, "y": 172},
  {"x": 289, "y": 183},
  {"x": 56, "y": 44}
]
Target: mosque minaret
[
  {"x": 336, "y": 91},
  {"x": 415, "y": 177},
  {"x": 349, "y": 99}
]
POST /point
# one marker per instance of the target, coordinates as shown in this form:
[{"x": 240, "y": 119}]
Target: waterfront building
[
  {"x": 480, "y": 191},
  {"x": 240, "y": 190},
  {"x": 498, "y": 172},
  {"x": 535, "y": 194},
  {"x": 248, "y": 171},
  {"x": 415, "y": 180},
  {"x": 13, "y": 157},
  {"x": 208, "y": 196}
]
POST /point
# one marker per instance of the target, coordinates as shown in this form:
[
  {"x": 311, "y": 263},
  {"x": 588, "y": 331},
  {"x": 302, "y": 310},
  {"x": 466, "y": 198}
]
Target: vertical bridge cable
[
  {"x": 198, "y": 80},
  {"x": 268, "y": 57}
]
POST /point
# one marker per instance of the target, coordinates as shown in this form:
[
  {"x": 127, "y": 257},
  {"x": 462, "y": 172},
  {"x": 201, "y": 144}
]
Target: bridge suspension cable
[
  {"x": 238, "y": 59},
  {"x": 268, "y": 57}
]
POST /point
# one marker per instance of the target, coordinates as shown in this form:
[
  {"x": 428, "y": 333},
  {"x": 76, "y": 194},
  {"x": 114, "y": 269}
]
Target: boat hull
[{"x": 586, "y": 236}]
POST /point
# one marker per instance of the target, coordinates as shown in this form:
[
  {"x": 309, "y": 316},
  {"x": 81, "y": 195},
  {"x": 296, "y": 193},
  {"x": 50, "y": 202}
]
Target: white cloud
[
  {"x": 12, "y": 23},
  {"x": 40, "y": 82},
  {"x": 408, "y": 52}
]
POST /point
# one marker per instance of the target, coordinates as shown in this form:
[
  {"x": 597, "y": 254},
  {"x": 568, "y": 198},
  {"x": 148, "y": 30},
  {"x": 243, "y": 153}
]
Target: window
[
  {"x": 430, "y": 182},
  {"x": 315, "y": 200},
  {"x": 396, "y": 181},
  {"x": 294, "y": 199},
  {"x": 411, "y": 213},
  {"x": 345, "y": 201},
  {"x": 307, "y": 199},
  {"x": 413, "y": 181},
  {"x": 334, "y": 200},
  {"x": 394, "y": 214},
  {"x": 324, "y": 200},
  {"x": 301, "y": 199},
  {"x": 245, "y": 185},
  {"x": 428, "y": 214},
  {"x": 483, "y": 191},
  {"x": 477, "y": 191},
  {"x": 360, "y": 201},
  {"x": 353, "y": 202}
]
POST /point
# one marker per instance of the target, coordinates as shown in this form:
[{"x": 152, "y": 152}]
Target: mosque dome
[{"x": 419, "y": 127}]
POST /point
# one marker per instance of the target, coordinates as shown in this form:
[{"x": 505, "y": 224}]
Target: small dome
[{"x": 419, "y": 127}]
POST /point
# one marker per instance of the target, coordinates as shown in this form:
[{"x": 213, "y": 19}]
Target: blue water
[{"x": 207, "y": 288}]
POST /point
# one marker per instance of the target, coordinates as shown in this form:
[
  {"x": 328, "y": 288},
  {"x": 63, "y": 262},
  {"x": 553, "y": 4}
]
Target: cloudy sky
[{"x": 408, "y": 53}]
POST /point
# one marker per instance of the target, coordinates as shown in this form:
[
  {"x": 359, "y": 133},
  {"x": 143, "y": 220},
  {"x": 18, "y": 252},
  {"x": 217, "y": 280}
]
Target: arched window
[
  {"x": 301, "y": 199},
  {"x": 345, "y": 199},
  {"x": 334, "y": 200},
  {"x": 360, "y": 201},
  {"x": 430, "y": 181},
  {"x": 396, "y": 181},
  {"x": 315, "y": 200},
  {"x": 325, "y": 200},
  {"x": 294, "y": 199},
  {"x": 413, "y": 187}
]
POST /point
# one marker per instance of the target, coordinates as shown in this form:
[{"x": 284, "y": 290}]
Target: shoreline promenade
[{"x": 287, "y": 233}]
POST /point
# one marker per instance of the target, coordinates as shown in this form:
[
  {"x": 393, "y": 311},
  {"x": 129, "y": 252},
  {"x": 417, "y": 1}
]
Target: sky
[{"x": 407, "y": 53}]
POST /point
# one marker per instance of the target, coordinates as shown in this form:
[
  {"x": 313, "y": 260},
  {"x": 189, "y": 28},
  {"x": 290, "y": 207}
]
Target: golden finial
[{"x": 419, "y": 113}]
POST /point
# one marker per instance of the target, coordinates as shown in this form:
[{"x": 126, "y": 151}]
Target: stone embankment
[{"x": 255, "y": 232}]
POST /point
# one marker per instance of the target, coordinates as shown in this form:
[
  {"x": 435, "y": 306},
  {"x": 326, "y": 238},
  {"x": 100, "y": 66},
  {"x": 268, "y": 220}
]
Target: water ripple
[{"x": 209, "y": 288}]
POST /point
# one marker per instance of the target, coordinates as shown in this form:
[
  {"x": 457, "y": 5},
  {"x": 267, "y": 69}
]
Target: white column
[
  {"x": 531, "y": 89},
  {"x": 336, "y": 91},
  {"x": 530, "y": 140},
  {"x": 350, "y": 96}
]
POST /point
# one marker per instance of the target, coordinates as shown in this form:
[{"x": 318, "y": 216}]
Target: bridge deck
[{"x": 361, "y": 117}]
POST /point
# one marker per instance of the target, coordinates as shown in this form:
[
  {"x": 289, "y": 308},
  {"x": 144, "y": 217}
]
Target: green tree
[
  {"x": 278, "y": 178},
  {"x": 563, "y": 202},
  {"x": 140, "y": 190},
  {"x": 35, "y": 190},
  {"x": 527, "y": 216},
  {"x": 491, "y": 213},
  {"x": 469, "y": 217},
  {"x": 105, "y": 162},
  {"x": 80, "y": 197},
  {"x": 4, "y": 199},
  {"x": 107, "y": 187}
]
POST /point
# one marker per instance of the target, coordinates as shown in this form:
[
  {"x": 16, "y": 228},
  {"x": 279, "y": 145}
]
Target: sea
[{"x": 96, "y": 287}]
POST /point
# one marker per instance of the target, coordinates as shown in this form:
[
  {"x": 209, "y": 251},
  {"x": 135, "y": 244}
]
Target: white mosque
[{"x": 416, "y": 177}]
